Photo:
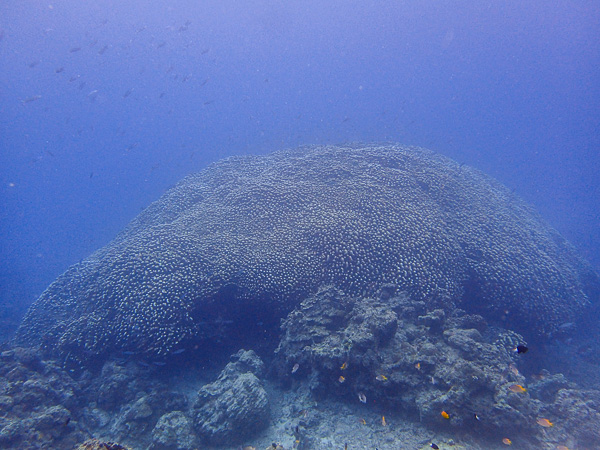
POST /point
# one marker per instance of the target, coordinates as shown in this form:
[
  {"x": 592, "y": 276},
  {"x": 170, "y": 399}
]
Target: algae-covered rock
[
  {"x": 174, "y": 431},
  {"x": 235, "y": 405}
]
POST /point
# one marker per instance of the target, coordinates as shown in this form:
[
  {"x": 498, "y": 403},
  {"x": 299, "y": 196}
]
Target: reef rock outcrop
[
  {"x": 234, "y": 405},
  {"x": 254, "y": 235}
]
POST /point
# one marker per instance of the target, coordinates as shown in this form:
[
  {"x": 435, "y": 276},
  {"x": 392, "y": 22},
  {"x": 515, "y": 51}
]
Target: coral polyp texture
[{"x": 261, "y": 233}]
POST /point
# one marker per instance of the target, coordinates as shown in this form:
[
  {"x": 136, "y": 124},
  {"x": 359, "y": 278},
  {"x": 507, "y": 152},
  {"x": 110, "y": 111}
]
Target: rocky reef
[
  {"x": 379, "y": 292},
  {"x": 248, "y": 238},
  {"x": 380, "y": 370},
  {"x": 447, "y": 370}
]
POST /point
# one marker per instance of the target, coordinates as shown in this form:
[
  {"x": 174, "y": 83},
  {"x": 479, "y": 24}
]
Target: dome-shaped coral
[{"x": 261, "y": 233}]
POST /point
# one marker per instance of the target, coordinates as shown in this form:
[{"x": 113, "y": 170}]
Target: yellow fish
[
  {"x": 363, "y": 421},
  {"x": 517, "y": 388},
  {"x": 445, "y": 415},
  {"x": 344, "y": 366},
  {"x": 418, "y": 366},
  {"x": 381, "y": 378},
  {"x": 544, "y": 423},
  {"x": 506, "y": 441},
  {"x": 341, "y": 379},
  {"x": 383, "y": 422}
]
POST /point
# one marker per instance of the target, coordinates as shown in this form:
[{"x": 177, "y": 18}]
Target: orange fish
[
  {"x": 544, "y": 423},
  {"x": 344, "y": 366},
  {"x": 363, "y": 421},
  {"x": 506, "y": 441},
  {"x": 418, "y": 366},
  {"x": 445, "y": 415},
  {"x": 341, "y": 379},
  {"x": 562, "y": 447},
  {"x": 517, "y": 388},
  {"x": 383, "y": 422},
  {"x": 381, "y": 378}
]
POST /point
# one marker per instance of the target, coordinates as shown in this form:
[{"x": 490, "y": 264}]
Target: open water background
[{"x": 103, "y": 105}]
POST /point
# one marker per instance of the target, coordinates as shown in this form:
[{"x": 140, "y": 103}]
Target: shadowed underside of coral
[{"x": 255, "y": 235}]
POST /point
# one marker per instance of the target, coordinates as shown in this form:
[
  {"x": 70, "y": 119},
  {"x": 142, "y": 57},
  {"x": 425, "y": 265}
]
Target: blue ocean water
[{"x": 105, "y": 105}]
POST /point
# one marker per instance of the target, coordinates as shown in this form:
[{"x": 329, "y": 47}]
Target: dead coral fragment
[{"x": 96, "y": 444}]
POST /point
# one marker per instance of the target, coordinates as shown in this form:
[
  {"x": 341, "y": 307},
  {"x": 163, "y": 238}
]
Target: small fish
[
  {"x": 295, "y": 368},
  {"x": 381, "y": 378},
  {"x": 434, "y": 447},
  {"x": 178, "y": 351},
  {"x": 517, "y": 388},
  {"x": 445, "y": 415},
  {"x": 248, "y": 447},
  {"x": 513, "y": 369},
  {"x": 520, "y": 349},
  {"x": 344, "y": 366},
  {"x": 31, "y": 99},
  {"x": 346, "y": 446},
  {"x": 341, "y": 379},
  {"x": 159, "y": 363},
  {"x": 363, "y": 421},
  {"x": 127, "y": 92},
  {"x": 74, "y": 49},
  {"x": 362, "y": 397},
  {"x": 544, "y": 423},
  {"x": 506, "y": 441},
  {"x": 383, "y": 422},
  {"x": 476, "y": 417},
  {"x": 562, "y": 447},
  {"x": 59, "y": 70},
  {"x": 418, "y": 366}
]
